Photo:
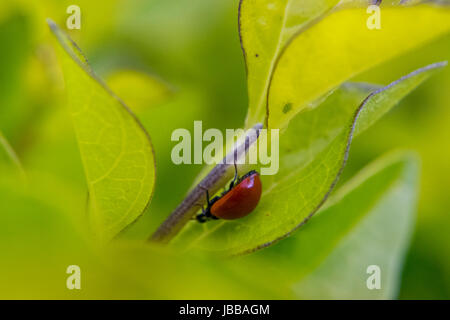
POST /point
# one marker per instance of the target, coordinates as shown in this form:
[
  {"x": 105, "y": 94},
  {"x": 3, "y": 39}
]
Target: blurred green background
[{"x": 191, "y": 48}]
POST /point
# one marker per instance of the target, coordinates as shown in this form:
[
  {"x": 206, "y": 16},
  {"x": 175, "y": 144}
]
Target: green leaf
[
  {"x": 368, "y": 222},
  {"x": 265, "y": 27},
  {"x": 291, "y": 197},
  {"x": 137, "y": 89},
  {"x": 37, "y": 243},
  {"x": 167, "y": 274},
  {"x": 375, "y": 218},
  {"x": 333, "y": 114},
  {"x": 40, "y": 236},
  {"x": 319, "y": 60},
  {"x": 318, "y": 127},
  {"x": 115, "y": 149}
]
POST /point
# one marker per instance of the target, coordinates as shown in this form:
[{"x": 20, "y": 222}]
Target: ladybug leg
[
  {"x": 208, "y": 213},
  {"x": 205, "y": 215},
  {"x": 236, "y": 176},
  {"x": 197, "y": 217},
  {"x": 201, "y": 217}
]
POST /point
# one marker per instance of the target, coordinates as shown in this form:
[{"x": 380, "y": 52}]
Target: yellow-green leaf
[
  {"x": 341, "y": 46},
  {"x": 115, "y": 149},
  {"x": 368, "y": 222},
  {"x": 375, "y": 215},
  {"x": 137, "y": 89},
  {"x": 309, "y": 168},
  {"x": 265, "y": 27}
]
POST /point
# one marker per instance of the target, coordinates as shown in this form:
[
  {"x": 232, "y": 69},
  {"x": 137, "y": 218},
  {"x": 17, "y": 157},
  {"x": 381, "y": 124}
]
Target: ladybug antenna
[{"x": 235, "y": 175}]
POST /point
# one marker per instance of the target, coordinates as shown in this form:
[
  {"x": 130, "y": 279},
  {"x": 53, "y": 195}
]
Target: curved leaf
[
  {"x": 375, "y": 218},
  {"x": 294, "y": 195},
  {"x": 115, "y": 149},
  {"x": 341, "y": 46},
  {"x": 265, "y": 27},
  {"x": 368, "y": 222}
]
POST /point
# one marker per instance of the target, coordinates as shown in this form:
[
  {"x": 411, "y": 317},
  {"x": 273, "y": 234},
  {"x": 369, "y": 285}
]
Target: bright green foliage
[
  {"x": 265, "y": 28},
  {"x": 375, "y": 225},
  {"x": 368, "y": 222},
  {"x": 40, "y": 237},
  {"x": 341, "y": 46},
  {"x": 297, "y": 192},
  {"x": 138, "y": 90},
  {"x": 299, "y": 54},
  {"x": 115, "y": 149}
]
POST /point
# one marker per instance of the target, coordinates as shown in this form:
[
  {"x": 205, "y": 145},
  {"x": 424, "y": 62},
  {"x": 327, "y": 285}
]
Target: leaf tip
[{"x": 52, "y": 25}]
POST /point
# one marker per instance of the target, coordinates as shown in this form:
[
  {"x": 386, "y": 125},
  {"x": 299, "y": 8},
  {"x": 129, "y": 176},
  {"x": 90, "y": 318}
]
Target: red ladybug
[{"x": 239, "y": 200}]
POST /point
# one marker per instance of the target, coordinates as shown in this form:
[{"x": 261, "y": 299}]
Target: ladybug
[{"x": 239, "y": 200}]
